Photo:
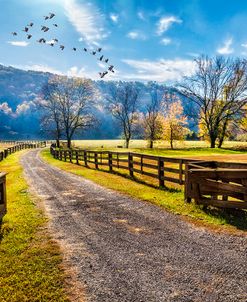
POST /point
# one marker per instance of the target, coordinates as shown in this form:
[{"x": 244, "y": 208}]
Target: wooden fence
[
  {"x": 158, "y": 169},
  {"x": 216, "y": 183},
  {"x": 2, "y": 195},
  {"x": 20, "y": 146},
  {"x": 220, "y": 184}
]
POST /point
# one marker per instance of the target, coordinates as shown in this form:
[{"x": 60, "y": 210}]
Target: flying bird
[
  {"x": 46, "y": 29},
  {"x": 42, "y": 40},
  {"x": 30, "y": 24},
  {"x": 111, "y": 68},
  {"x": 25, "y": 29},
  {"x": 102, "y": 74},
  {"x": 101, "y": 58},
  {"x": 51, "y": 15},
  {"x": 29, "y": 36},
  {"x": 85, "y": 49},
  {"x": 52, "y": 44},
  {"x": 106, "y": 60},
  {"x": 55, "y": 40},
  {"x": 93, "y": 53},
  {"x": 55, "y": 25},
  {"x": 46, "y": 17},
  {"x": 62, "y": 47},
  {"x": 14, "y": 33},
  {"x": 99, "y": 49},
  {"x": 43, "y": 27},
  {"x": 74, "y": 48}
]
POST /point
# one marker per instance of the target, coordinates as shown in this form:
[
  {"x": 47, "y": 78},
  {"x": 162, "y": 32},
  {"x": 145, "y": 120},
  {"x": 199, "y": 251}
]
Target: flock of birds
[{"x": 53, "y": 42}]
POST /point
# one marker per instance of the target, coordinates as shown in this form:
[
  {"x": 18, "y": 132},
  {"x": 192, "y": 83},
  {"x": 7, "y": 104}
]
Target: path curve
[{"x": 128, "y": 250}]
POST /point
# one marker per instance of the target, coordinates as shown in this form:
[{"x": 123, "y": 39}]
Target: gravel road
[{"x": 123, "y": 249}]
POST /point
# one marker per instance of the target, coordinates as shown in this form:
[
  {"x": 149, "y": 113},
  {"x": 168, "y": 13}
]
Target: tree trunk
[
  {"x": 127, "y": 141},
  {"x": 171, "y": 143},
  {"x": 58, "y": 143},
  {"x": 151, "y": 144},
  {"x": 212, "y": 142},
  {"x": 69, "y": 143},
  {"x": 223, "y": 134}
]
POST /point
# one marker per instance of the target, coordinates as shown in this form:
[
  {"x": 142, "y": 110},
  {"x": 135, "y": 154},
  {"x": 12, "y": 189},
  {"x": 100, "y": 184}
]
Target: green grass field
[
  {"x": 30, "y": 261},
  {"x": 170, "y": 199}
]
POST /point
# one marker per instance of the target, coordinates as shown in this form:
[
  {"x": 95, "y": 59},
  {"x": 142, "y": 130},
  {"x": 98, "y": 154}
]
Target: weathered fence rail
[
  {"x": 220, "y": 184},
  {"x": 19, "y": 146},
  {"x": 163, "y": 169},
  {"x": 3, "y": 207}
]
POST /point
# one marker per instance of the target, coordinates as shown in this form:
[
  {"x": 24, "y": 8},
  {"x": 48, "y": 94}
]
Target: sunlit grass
[
  {"x": 172, "y": 200},
  {"x": 30, "y": 261}
]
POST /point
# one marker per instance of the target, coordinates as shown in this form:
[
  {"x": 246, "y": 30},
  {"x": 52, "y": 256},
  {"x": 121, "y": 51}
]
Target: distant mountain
[{"x": 20, "y": 120}]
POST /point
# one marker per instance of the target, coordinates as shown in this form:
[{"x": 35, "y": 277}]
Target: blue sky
[{"x": 143, "y": 39}]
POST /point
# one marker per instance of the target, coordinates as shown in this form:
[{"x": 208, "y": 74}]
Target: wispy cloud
[
  {"x": 165, "y": 23},
  {"x": 19, "y": 43},
  {"x": 4, "y": 107},
  {"x": 114, "y": 17},
  {"x": 226, "y": 49},
  {"x": 141, "y": 15},
  {"x": 161, "y": 70},
  {"x": 87, "y": 20},
  {"x": 136, "y": 35},
  {"x": 244, "y": 45},
  {"x": 165, "y": 41}
]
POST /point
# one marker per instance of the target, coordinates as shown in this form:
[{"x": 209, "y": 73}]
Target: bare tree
[
  {"x": 51, "y": 119},
  {"x": 219, "y": 88},
  {"x": 122, "y": 103}
]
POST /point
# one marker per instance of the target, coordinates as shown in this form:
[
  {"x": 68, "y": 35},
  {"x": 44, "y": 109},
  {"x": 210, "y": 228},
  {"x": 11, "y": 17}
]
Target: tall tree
[
  {"x": 219, "y": 89},
  {"x": 152, "y": 119},
  {"x": 122, "y": 103}
]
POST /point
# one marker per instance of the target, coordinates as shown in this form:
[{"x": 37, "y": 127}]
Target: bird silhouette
[
  {"x": 74, "y": 48},
  {"x": 29, "y": 36},
  {"x": 101, "y": 58},
  {"x": 106, "y": 60},
  {"x": 62, "y": 47},
  {"x": 14, "y": 33},
  {"x": 85, "y": 49},
  {"x": 111, "y": 68},
  {"x": 46, "y": 17},
  {"x": 46, "y": 29},
  {"x": 43, "y": 27},
  {"x": 52, "y": 44},
  {"x": 30, "y": 24},
  {"x": 25, "y": 29},
  {"x": 93, "y": 53},
  {"x": 42, "y": 40},
  {"x": 55, "y": 25},
  {"x": 55, "y": 40},
  {"x": 99, "y": 49},
  {"x": 102, "y": 74},
  {"x": 51, "y": 15}
]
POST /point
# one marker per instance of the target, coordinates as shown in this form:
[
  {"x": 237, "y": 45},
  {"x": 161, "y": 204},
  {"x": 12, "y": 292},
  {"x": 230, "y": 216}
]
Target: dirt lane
[{"x": 127, "y": 250}]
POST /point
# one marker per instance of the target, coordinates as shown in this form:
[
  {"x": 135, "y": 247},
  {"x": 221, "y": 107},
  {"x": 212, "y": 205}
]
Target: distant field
[
  {"x": 140, "y": 144},
  {"x": 5, "y": 146}
]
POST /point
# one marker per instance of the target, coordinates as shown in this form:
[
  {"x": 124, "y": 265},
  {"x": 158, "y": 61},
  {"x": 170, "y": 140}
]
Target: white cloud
[
  {"x": 226, "y": 49},
  {"x": 114, "y": 17},
  {"x": 4, "y": 107},
  {"x": 141, "y": 16},
  {"x": 165, "y": 41},
  {"x": 87, "y": 20},
  {"x": 165, "y": 23},
  {"x": 19, "y": 43},
  {"x": 244, "y": 45},
  {"x": 161, "y": 70},
  {"x": 23, "y": 107},
  {"x": 136, "y": 35}
]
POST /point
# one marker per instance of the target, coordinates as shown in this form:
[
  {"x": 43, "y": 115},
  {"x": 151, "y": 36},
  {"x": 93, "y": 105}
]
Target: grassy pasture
[{"x": 30, "y": 261}]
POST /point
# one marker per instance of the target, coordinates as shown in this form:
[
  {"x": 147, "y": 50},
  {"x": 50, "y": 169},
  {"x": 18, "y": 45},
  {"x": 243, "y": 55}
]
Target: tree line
[{"x": 217, "y": 92}]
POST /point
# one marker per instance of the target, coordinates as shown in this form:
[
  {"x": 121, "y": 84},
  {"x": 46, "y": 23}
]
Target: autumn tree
[
  {"x": 152, "y": 119},
  {"x": 122, "y": 104},
  {"x": 174, "y": 123},
  {"x": 218, "y": 88}
]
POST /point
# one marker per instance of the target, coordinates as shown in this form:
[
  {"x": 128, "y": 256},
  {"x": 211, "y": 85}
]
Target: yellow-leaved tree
[{"x": 175, "y": 123}]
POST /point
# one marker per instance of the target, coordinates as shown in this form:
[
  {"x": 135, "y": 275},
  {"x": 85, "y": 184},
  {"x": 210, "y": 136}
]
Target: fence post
[
  {"x": 85, "y": 157},
  {"x": 110, "y": 161},
  {"x": 187, "y": 184},
  {"x": 161, "y": 172},
  {"x": 96, "y": 160},
  {"x": 130, "y": 162},
  {"x": 77, "y": 157},
  {"x": 70, "y": 155}
]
